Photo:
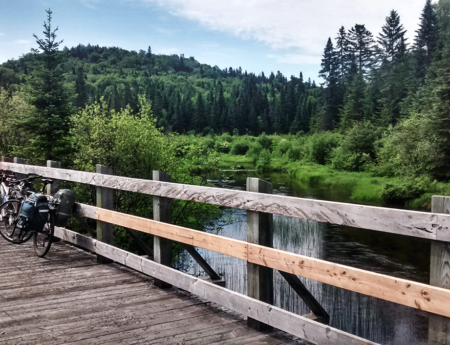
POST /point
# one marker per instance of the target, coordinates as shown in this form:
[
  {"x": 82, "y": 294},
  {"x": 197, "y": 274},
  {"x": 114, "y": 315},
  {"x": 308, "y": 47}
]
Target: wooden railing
[{"x": 434, "y": 298}]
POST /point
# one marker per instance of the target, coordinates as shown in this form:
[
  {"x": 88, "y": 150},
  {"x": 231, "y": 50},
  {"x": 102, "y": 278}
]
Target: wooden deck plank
[{"x": 68, "y": 297}]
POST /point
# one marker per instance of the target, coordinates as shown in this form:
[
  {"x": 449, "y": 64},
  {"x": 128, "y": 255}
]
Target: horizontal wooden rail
[
  {"x": 412, "y": 294},
  {"x": 294, "y": 324},
  {"x": 433, "y": 226}
]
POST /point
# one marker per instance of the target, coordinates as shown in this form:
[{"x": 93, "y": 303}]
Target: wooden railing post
[
  {"x": 104, "y": 200},
  {"x": 19, "y": 161},
  {"x": 7, "y": 160},
  {"x": 259, "y": 231},
  {"x": 162, "y": 212},
  {"x": 56, "y": 185},
  {"x": 439, "y": 326}
]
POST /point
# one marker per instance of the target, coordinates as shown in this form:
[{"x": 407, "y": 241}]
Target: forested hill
[
  {"x": 185, "y": 94},
  {"x": 383, "y": 106}
]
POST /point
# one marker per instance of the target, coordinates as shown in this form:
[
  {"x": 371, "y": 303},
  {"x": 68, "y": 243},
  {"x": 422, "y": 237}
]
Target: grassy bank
[{"x": 363, "y": 187}]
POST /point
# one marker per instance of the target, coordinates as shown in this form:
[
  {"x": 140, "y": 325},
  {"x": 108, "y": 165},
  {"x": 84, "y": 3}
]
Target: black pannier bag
[
  {"x": 34, "y": 213},
  {"x": 63, "y": 200}
]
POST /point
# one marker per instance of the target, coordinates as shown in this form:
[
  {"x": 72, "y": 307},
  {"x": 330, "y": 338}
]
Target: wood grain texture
[
  {"x": 294, "y": 324},
  {"x": 412, "y": 294},
  {"x": 162, "y": 212},
  {"x": 259, "y": 231},
  {"x": 56, "y": 185},
  {"x": 19, "y": 161},
  {"x": 104, "y": 199},
  {"x": 412, "y": 223},
  {"x": 68, "y": 298},
  {"x": 439, "y": 326}
]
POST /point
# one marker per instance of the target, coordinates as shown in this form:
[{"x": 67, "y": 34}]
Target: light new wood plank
[
  {"x": 412, "y": 294},
  {"x": 195, "y": 238},
  {"x": 412, "y": 223},
  {"x": 297, "y": 325}
]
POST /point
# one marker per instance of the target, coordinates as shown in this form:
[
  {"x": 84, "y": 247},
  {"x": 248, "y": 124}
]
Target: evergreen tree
[
  {"x": 80, "y": 88},
  {"x": 343, "y": 54},
  {"x": 392, "y": 38},
  {"x": 329, "y": 70},
  {"x": 49, "y": 126},
  {"x": 361, "y": 44},
  {"x": 426, "y": 39},
  {"x": 332, "y": 94}
]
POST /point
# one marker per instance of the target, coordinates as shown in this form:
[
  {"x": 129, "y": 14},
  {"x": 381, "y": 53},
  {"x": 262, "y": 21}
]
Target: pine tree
[
  {"x": 361, "y": 44},
  {"x": 80, "y": 88},
  {"x": 392, "y": 38},
  {"x": 329, "y": 70},
  {"x": 343, "y": 54},
  {"x": 426, "y": 40},
  {"x": 49, "y": 127}
]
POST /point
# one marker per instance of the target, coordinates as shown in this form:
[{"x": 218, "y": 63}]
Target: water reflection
[{"x": 368, "y": 317}]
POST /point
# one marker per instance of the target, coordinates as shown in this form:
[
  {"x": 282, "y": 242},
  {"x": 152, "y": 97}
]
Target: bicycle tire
[
  {"x": 9, "y": 211},
  {"x": 43, "y": 240}
]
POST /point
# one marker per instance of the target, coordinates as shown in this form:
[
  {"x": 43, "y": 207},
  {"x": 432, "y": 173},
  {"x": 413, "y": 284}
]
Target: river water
[{"x": 371, "y": 318}]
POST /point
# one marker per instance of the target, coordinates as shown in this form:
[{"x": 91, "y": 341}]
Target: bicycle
[{"x": 10, "y": 211}]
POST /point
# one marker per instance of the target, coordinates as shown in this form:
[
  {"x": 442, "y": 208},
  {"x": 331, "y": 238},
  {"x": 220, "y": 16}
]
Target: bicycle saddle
[{"x": 47, "y": 181}]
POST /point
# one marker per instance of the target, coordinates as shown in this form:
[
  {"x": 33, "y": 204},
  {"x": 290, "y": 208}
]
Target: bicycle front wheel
[
  {"x": 9, "y": 212},
  {"x": 43, "y": 239}
]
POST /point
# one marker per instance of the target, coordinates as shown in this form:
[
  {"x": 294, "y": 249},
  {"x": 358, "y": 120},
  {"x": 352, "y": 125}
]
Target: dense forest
[{"x": 382, "y": 106}]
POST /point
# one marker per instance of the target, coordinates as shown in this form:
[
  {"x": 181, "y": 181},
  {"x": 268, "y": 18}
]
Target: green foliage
[
  {"x": 319, "y": 147},
  {"x": 240, "y": 147},
  {"x": 412, "y": 148},
  {"x": 265, "y": 141},
  {"x": 13, "y": 107},
  {"x": 356, "y": 148},
  {"x": 404, "y": 191},
  {"x": 264, "y": 160},
  {"x": 254, "y": 151},
  {"x": 48, "y": 125}
]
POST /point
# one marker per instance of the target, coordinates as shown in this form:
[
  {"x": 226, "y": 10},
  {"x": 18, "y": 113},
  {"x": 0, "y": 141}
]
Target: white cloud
[
  {"x": 296, "y": 59},
  {"x": 300, "y": 25},
  {"x": 21, "y": 42}
]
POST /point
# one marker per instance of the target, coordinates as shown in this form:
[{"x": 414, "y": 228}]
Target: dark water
[{"x": 400, "y": 256}]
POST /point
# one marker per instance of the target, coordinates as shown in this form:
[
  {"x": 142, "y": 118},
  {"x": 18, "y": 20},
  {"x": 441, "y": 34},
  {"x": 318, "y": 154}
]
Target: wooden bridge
[{"x": 50, "y": 300}]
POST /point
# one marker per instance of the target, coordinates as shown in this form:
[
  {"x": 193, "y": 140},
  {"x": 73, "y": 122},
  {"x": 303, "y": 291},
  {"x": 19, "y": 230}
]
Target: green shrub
[
  {"x": 222, "y": 146},
  {"x": 282, "y": 147},
  {"x": 240, "y": 147},
  {"x": 254, "y": 151},
  {"x": 263, "y": 162},
  {"x": 209, "y": 142},
  {"x": 402, "y": 192},
  {"x": 356, "y": 150},
  {"x": 319, "y": 147},
  {"x": 265, "y": 141}
]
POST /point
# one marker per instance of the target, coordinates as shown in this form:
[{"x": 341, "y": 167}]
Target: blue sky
[{"x": 257, "y": 35}]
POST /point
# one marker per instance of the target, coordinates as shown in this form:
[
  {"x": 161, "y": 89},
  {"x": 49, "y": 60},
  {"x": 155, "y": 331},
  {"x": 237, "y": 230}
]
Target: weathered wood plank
[
  {"x": 56, "y": 185},
  {"x": 276, "y": 317},
  {"x": 104, "y": 199},
  {"x": 18, "y": 160},
  {"x": 412, "y": 223},
  {"x": 162, "y": 212},
  {"x": 259, "y": 231},
  {"x": 439, "y": 326},
  {"x": 412, "y": 294}
]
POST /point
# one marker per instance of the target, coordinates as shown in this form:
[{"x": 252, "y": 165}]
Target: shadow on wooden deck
[{"x": 67, "y": 297}]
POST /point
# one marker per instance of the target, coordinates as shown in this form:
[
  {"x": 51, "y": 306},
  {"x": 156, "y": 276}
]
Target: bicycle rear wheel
[
  {"x": 9, "y": 212},
  {"x": 43, "y": 239}
]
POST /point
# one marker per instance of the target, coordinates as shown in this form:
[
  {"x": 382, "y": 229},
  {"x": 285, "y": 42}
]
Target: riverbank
[{"x": 363, "y": 187}]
